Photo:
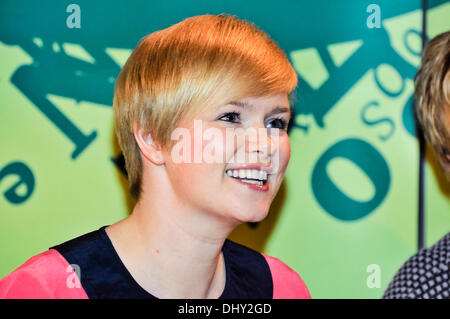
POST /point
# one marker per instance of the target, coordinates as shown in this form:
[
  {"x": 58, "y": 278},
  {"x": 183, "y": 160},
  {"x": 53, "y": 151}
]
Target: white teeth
[
  {"x": 248, "y": 174},
  {"x": 252, "y": 181}
]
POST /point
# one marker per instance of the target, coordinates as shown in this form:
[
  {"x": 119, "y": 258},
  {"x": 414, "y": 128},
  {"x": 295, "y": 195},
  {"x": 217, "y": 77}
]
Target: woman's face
[{"x": 228, "y": 153}]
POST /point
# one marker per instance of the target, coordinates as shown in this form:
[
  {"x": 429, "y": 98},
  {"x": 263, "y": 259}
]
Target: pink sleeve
[
  {"x": 287, "y": 284},
  {"x": 44, "y": 276}
]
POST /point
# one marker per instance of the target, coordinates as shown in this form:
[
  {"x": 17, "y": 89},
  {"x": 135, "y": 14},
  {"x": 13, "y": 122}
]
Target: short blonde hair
[
  {"x": 202, "y": 61},
  {"x": 432, "y": 93}
]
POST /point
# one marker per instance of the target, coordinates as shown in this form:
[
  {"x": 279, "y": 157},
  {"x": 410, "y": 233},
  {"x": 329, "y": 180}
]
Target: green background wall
[{"x": 349, "y": 199}]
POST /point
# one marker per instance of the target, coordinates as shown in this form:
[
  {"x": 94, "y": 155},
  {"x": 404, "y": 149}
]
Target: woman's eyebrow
[
  {"x": 241, "y": 104},
  {"x": 279, "y": 109},
  {"x": 276, "y": 110}
]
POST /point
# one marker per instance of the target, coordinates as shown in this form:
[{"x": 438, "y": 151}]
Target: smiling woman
[{"x": 227, "y": 86}]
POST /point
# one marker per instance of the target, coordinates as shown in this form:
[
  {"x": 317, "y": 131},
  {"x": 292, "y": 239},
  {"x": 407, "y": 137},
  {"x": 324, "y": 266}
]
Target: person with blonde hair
[
  {"x": 210, "y": 85},
  {"x": 426, "y": 274}
]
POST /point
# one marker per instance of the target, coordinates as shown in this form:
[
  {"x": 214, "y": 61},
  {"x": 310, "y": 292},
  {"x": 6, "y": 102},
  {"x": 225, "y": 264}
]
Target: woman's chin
[{"x": 252, "y": 216}]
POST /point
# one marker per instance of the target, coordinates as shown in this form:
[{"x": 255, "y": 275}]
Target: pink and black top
[{"x": 249, "y": 274}]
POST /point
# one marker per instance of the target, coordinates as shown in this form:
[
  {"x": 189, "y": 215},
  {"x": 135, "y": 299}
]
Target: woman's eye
[
  {"x": 234, "y": 117},
  {"x": 230, "y": 117},
  {"x": 279, "y": 123}
]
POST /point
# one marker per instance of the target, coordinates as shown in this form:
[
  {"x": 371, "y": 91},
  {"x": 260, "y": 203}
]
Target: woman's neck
[{"x": 171, "y": 250}]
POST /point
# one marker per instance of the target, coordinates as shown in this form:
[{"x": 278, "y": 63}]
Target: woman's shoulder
[
  {"x": 45, "y": 275},
  {"x": 423, "y": 272},
  {"x": 287, "y": 283}
]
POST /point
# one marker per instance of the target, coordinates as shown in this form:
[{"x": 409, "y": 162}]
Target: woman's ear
[{"x": 149, "y": 148}]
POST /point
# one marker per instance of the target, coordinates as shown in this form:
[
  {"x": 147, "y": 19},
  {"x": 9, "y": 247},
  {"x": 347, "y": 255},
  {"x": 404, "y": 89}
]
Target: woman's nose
[{"x": 261, "y": 141}]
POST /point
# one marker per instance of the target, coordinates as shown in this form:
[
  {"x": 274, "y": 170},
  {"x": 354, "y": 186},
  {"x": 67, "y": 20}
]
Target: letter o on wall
[{"x": 369, "y": 160}]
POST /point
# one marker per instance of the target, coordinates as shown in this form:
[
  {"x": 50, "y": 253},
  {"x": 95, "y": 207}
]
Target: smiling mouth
[{"x": 247, "y": 176}]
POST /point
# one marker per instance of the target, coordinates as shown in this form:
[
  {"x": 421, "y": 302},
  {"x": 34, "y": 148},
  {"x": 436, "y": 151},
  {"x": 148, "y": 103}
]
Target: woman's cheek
[
  {"x": 284, "y": 153},
  {"x": 214, "y": 145}
]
